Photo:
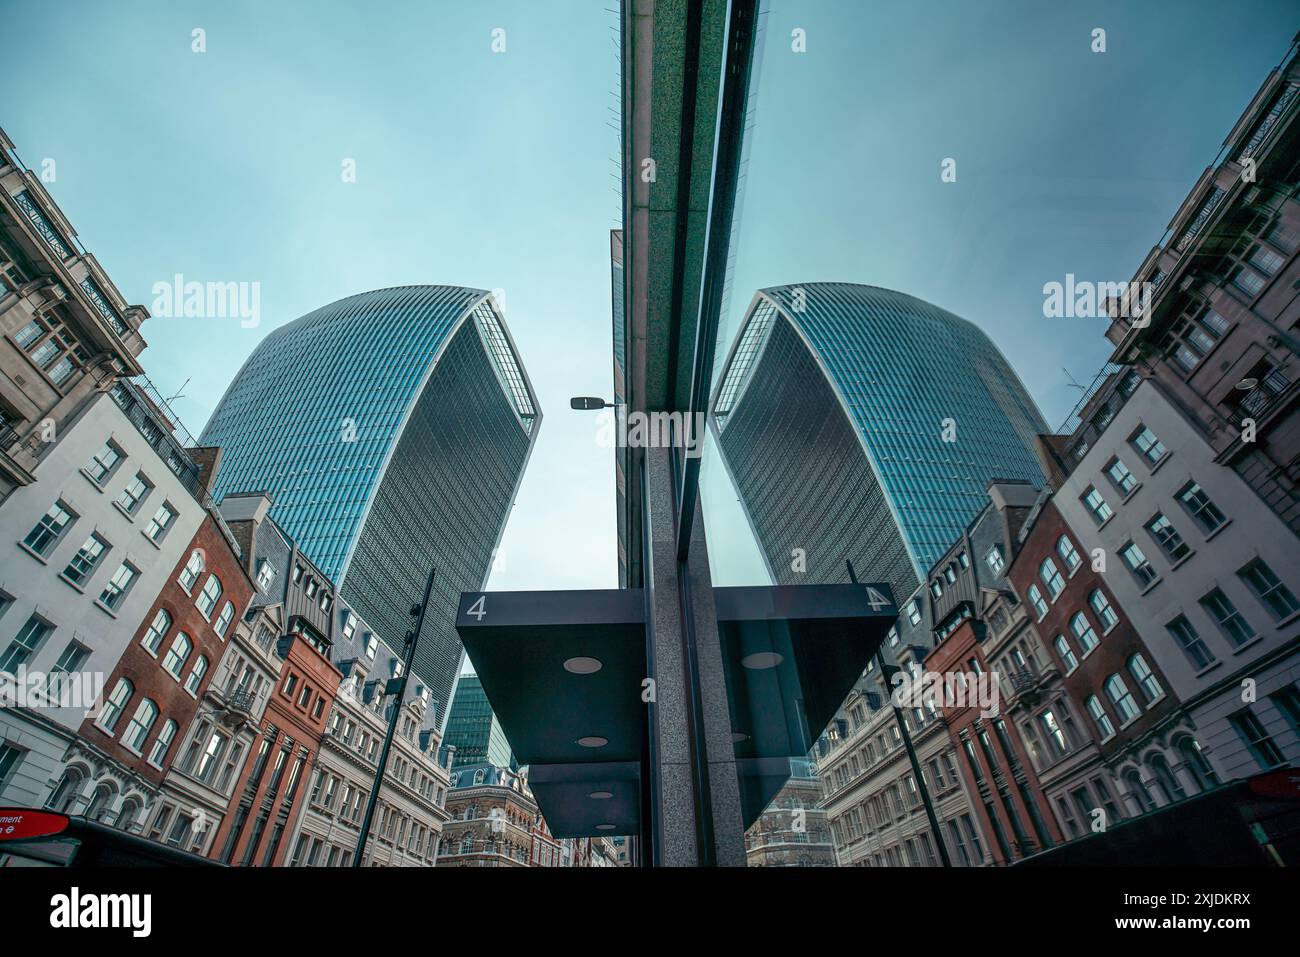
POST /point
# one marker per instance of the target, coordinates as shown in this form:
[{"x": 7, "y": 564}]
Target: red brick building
[
  {"x": 274, "y": 781},
  {"x": 155, "y": 688},
  {"x": 999, "y": 777},
  {"x": 1117, "y": 694}
]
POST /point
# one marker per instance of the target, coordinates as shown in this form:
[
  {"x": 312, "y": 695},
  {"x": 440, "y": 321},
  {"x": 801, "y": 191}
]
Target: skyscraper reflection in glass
[
  {"x": 861, "y": 423},
  {"x": 391, "y": 430}
]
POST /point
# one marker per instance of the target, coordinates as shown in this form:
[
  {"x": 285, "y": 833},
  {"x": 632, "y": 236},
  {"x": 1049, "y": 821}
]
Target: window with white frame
[
  {"x": 1145, "y": 678},
  {"x": 1100, "y": 718},
  {"x": 157, "y": 630},
  {"x": 1036, "y": 599},
  {"x": 177, "y": 655},
  {"x": 157, "y": 527},
  {"x": 1225, "y": 614},
  {"x": 1119, "y": 475},
  {"x": 1137, "y": 564},
  {"x": 104, "y": 462},
  {"x": 116, "y": 588},
  {"x": 114, "y": 704},
  {"x": 162, "y": 744},
  {"x": 208, "y": 597},
  {"x": 137, "y": 730},
  {"x": 195, "y": 677},
  {"x": 192, "y": 570},
  {"x": 1125, "y": 705},
  {"x": 1083, "y": 633},
  {"x": 223, "y": 621},
  {"x": 1051, "y": 577},
  {"x": 1203, "y": 511},
  {"x": 31, "y": 636},
  {"x": 50, "y": 530},
  {"x": 1066, "y": 653},
  {"x": 1102, "y": 607},
  {"x": 136, "y": 491},
  {"x": 1069, "y": 554},
  {"x": 1147, "y": 445},
  {"x": 995, "y": 560},
  {"x": 83, "y": 564},
  {"x": 1096, "y": 505}
]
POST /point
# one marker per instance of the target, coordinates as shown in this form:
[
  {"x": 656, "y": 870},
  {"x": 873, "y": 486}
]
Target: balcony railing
[{"x": 8, "y": 437}]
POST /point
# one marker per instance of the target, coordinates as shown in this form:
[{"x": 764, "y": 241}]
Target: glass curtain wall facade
[
  {"x": 391, "y": 430},
  {"x": 474, "y": 729},
  {"x": 861, "y": 423}
]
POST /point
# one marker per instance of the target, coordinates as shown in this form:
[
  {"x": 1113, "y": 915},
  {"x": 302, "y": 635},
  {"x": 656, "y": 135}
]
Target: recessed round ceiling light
[
  {"x": 761, "y": 660},
  {"x": 583, "y": 666},
  {"x": 593, "y": 741},
  {"x": 601, "y": 795},
  {"x": 738, "y": 736},
  {"x": 604, "y": 827}
]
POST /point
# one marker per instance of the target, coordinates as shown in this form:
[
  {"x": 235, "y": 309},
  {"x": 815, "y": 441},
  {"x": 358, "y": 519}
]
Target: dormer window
[{"x": 265, "y": 575}]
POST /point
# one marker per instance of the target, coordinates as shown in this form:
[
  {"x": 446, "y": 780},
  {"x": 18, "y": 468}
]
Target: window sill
[
  {"x": 105, "y": 609},
  {"x": 1159, "y": 463},
  {"x": 138, "y": 754},
  {"x": 1210, "y": 535},
  {"x": 125, "y": 514},
  {"x": 1249, "y": 643},
  {"x": 1183, "y": 561},
  {"x": 71, "y": 584},
  {"x": 1130, "y": 721},
  {"x": 1208, "y": 668},
  {"x": 34, "y": 553},
  {"x": 1283, "y": 622},
  {"x": 1154, "y": 582},
  {"x": 1130, "y": 493},
  {"x": 1109, "y": 518},
  {"x": 1113, "y": 626},
  {"x": 91, "y": 479}
]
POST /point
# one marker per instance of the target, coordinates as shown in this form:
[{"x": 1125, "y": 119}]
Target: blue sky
[{"x": 494, "y": 170}]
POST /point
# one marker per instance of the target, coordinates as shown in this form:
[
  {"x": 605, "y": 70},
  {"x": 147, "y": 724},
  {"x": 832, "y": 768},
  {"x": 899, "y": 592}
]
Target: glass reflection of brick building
[
  {"x": 391, "y": 430},
  {"x": 860, "y": 423}
]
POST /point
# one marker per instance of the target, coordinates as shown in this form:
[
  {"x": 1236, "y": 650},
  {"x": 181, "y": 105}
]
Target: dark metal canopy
[{"x": 791, "y": 654}]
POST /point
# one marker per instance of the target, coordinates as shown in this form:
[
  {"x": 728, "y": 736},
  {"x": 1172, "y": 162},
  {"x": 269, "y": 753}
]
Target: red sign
[
  {"x": 17, "y": 824},
  {"x": 1284, "y": 783}
]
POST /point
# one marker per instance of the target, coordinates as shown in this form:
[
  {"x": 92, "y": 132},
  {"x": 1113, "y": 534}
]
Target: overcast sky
[{"x": 496, "y": 170}]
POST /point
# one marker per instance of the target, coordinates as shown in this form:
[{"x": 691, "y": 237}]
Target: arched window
[
  {"x": 1051, "y": 577},
  {"x": 65, "y": 792},
  {"x": 1036, "y": 599},
  {"x": 177, "y": 654},
  {"x": 207, "y": 599},
  {"x": 112, "y": 709},
  {"x": 1146, "y": 680},
  {"x": 158, "y": 628},
  {"x": 126, "y": 816},
  {"x": 1173, "y": 791},
  {"x": 1198, "y": 764},
  {"x": 192, "y": 570},
  {"x": 1100, "y": 717},
  {"x": 467, "y": 843},
  {"x": 140, "y": 726},
  {"x": 1122, "y": 699},
  {"x": 196, "y": 675},
  {"x": 162, "y": 744},
  {"x": 99, "y": 802},
  {"x": 1069, "y": 554},
  {"x": 1141, "y": 795},
  {"x": 1083, "y": 633},
  {"x": 1067, "y": 655},
  {"x": 478, "y": 776},
  {"x": 1105, "y": 613},
  {"x": 224, "y": 619}
]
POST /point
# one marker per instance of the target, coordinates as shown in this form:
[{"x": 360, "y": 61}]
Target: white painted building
[
  {"x": 84, "y": 550},
  {"x": 1205, "y": 570}
]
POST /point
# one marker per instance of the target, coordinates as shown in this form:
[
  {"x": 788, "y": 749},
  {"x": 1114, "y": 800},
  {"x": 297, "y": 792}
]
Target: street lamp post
[
  {"x": 886, "y": 671},
  {"x": 394, "y": 686}
]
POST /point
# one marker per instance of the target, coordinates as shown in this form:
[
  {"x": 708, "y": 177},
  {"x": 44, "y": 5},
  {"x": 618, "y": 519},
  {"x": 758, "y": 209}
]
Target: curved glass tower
[
  {"x": 860, "y": 423},
  {"x": 391, "y": 430}
]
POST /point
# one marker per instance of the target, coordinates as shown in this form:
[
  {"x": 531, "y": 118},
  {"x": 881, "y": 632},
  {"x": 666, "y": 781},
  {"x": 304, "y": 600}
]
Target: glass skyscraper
[
  {"x": 474, "y": 730},
  {"x": 391, "y": 430},
  {"x": 860, "y": 423}
]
